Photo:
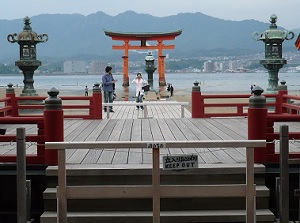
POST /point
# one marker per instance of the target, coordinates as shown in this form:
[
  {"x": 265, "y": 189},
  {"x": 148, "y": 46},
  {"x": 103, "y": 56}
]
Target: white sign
[{"x": 180, "y": 162}]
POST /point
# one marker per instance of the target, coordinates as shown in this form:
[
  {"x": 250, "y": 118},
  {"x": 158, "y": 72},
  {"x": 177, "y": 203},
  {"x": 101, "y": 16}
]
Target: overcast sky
[{"x": 288, "y": 11}]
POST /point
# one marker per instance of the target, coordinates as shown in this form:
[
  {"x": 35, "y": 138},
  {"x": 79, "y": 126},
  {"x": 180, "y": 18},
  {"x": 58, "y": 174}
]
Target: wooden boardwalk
[{"x": 162, "y": 123}]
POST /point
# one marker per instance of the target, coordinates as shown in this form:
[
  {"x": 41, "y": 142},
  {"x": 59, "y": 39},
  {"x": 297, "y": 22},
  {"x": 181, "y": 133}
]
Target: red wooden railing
[
  {"x": 226, "y": 106},
  {"x": 90, "y": 107},
  {"x": 39, "y": 138},
  {"x": 50, "y": 122},
  {"x": 6, "y": 108},
  {"x": 271, "y": 155},
  {"x": 277, "y": 108}
]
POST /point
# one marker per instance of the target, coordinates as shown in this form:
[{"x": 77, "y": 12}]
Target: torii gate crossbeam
[{"x": 143, "y": 38}]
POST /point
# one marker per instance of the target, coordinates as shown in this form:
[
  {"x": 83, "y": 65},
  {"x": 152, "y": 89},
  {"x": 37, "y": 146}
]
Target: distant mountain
[{"x": 78, "y": 36}]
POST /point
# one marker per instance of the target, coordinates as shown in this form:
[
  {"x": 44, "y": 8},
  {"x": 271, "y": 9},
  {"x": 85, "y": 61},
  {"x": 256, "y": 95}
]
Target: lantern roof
[
  {"x": 149, "y": 57},
  {"x": 27, "y": 35},
  {"x": 273, "y": 33}
]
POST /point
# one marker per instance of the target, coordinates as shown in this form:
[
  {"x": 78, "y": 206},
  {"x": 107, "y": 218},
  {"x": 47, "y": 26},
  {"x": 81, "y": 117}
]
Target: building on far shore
[
  {"x": 98, "y": 67},
  {"x": 75, "y": 66},
  {"x": 208, "y": 66},
  {"x": 83, "y": 67}
]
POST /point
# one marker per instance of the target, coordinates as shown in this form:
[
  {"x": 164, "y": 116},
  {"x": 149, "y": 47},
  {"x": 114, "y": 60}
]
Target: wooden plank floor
[
  {"x": 128, "y": 124},
  {"x": 153, "y": 111}
]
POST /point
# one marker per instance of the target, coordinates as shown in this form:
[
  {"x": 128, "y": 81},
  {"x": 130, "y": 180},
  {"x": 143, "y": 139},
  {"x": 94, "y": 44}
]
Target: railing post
[
  {"x": 282, "y": 89},
  {"x": 21, "y": 176},
  {"x": 156, "y": 184},
  {"x": 10, "y": 93},
  {"x": 257, "y": 123},
  {"x": 145, "y": 111},
  {"x": 182, "y": 111},
  {"x": 251, "y": 188},
  {"x": 54, "y": 124},
  {"x": 197, "y": 101},
  {"x": 28, "y": 200},
  {"x": 97, "y": 101},
  {"x": 62, "y": 205},
  {"x": 284, "y": 175}
]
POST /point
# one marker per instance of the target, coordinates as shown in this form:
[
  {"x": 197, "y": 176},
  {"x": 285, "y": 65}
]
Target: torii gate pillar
[
  {"x": 125, "y": 71},
  {"x": 161, "y": 70},
  {"x": 143, "y": 38}
]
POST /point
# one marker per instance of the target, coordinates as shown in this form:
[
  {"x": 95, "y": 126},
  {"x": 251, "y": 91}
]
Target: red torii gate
[
  {"x": 297, "y": 43},
  {"x": 143, "y": 38}
]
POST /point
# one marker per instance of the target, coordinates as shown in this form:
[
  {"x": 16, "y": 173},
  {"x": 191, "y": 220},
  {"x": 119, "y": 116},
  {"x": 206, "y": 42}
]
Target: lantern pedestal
[
  {"x": 28, "y": 68},
  {"x": 150, "y": 69}
]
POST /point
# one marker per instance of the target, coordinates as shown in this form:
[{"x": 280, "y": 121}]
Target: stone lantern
[
  {"x": 273, "y": 61},
  {"x": 28, "y": 62},
  {"x": 150, "y": 68}
]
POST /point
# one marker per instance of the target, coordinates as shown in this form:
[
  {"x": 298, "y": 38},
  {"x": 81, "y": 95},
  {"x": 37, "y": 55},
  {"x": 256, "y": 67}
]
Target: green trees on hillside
[
  {"x": 8, "y": 69},
  {"x": 184, "y": 64}
]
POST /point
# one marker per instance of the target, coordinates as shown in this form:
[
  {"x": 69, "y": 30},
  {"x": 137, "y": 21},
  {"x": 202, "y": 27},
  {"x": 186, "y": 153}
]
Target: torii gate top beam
[
  {"x": 139, "y": 36},
  {"x": 143, "y": 37}
]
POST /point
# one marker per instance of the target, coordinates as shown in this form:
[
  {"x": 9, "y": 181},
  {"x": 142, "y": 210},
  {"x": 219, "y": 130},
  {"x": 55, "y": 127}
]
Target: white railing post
[
  {"x": 61, "y": 189},
  {"x": 107, "y": 113},
  {"x": 182, "y": 111},
  {"x": 145, "y": 111},
  {"x": 156, "y": 184},
  {"x": 21, "y": 176},
  {"x": 250, "y": 187}
]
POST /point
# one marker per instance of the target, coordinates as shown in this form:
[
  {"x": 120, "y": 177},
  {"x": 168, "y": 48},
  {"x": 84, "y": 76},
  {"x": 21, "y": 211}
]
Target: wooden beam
[
  {"x": 144, "y": 144},
  {"x": 130, "y": 47},
  {"x": 147, "y": 38},
  {"x": 166, "y": 191}
]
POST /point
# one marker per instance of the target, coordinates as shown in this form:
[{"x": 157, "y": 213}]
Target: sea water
[{"x": 209, "y": 82}]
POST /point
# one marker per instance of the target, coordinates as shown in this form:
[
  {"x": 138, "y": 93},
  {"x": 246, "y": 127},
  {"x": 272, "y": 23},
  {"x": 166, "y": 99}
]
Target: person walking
[
  {"x": 108, "y": 82},
  {"x": 86, "y": 91},
  {"x": 251, "y": 88},
  {"x": 139, "y": 92},
  {"x": 171, "y": 90}
]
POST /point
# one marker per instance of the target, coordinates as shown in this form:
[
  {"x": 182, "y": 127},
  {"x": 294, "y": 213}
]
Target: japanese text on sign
[{"x": 180, "y": 162}]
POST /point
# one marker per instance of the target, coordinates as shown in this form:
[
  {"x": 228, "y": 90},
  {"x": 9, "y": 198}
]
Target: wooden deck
[{"x": 162, "y": 123}]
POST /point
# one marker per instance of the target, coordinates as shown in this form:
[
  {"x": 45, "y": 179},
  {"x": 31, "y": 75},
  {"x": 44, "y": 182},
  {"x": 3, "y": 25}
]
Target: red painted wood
[
  {"x": 257, "y": 129},
  {"x": 54, "y": 132}
]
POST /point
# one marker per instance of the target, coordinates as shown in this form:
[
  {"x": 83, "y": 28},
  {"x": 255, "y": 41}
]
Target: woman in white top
[{"x": 139, "y": 93}]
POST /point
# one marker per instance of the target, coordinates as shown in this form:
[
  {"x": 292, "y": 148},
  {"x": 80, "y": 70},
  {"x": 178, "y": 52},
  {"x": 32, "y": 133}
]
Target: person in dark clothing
[
  {"x": 171, "y": 90},
  {"x": 2, "y": 131},
  {"x": 108, "y": 82},
  {"x": 251, "y": 89},
  {"x": 86, "y": 91}
]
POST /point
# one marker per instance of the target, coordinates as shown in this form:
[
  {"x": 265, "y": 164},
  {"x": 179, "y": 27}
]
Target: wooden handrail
[
  {"x": 146, "y": 104},
  {"x": 156, "y": 191}
]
